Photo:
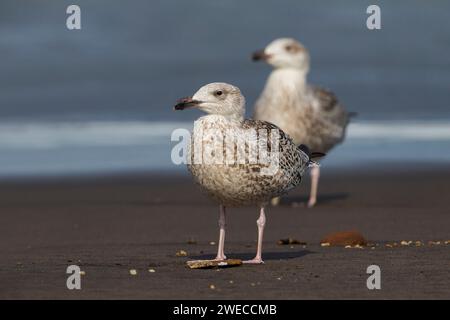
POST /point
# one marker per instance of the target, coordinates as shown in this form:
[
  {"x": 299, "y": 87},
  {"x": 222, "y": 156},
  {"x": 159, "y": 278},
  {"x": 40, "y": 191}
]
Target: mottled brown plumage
[{"x": 244, "y": 184}]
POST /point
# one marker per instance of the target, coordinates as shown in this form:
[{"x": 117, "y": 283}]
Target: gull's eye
[
  {"x": 218, "y": 93},
  {"x": 289, "y": 48}
]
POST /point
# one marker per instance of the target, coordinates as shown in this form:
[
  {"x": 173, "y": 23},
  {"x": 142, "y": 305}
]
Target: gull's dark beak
[
  {"x": 185, "y": 103},
  {"x": 260, "y": 55}
]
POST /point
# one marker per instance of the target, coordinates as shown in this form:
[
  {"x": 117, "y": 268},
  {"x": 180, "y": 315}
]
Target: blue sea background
[{"x": 99, "y": 99}]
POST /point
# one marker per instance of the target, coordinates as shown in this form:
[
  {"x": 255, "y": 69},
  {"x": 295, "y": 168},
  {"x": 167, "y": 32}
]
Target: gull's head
[
  {"x": 284, "y": 53},
  {"x": 216, "y": 98}
]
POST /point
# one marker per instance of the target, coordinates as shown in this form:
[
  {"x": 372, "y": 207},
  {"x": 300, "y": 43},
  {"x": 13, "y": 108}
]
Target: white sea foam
[{"x": 128, "y": 133}]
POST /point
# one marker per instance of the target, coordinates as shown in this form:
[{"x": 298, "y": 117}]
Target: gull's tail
[{"x": 311, "y": 155}]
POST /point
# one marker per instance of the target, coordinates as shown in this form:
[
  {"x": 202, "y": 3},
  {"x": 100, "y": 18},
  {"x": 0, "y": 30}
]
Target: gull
[
  {"x": 308, "y": 114},
  {"x": 233, "y": 182}
]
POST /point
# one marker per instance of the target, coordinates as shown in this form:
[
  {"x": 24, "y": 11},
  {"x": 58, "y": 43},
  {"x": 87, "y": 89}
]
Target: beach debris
[
  {"x": 181, "y": 253},
  {"x": 191, "y": 241},
  {"x": 405, "y": 243},
  {"x": 434, "y": 243},
  {"x": 447, "y": 242},
  {"x": 354, "y": 247},
  {"x": 346, "y": 238},
  {"x": 419, "y": 243},
  {"x": 212, "y": 287},
  {"x": 207, "y": 264},
  {"x": 151, "y": 270},
  {"x": 290, "y": 241},
  {"x": 133, "y": 272},
  {"x": 325, "y": 244}
]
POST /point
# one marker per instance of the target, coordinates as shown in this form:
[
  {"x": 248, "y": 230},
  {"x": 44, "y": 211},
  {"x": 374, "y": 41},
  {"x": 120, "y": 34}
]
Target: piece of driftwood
[{"x": 206, "y": 264}]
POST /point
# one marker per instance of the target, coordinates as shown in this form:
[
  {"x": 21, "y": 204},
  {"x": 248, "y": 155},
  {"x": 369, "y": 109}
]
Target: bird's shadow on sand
[
  {"x": 266, "y": 255},
  {"x": 321, "y": 199}
]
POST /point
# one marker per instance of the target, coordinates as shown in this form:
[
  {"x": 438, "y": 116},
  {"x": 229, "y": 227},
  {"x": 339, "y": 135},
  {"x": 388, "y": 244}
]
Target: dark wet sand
[{"x": 110, "y": 225}]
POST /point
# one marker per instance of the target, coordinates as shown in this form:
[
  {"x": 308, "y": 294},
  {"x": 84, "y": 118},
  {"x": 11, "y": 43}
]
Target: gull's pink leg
[
  {"x": 315, "y": 174},
  {"x": 261, "y": 222},
  {"x": 220, "y": 254}
]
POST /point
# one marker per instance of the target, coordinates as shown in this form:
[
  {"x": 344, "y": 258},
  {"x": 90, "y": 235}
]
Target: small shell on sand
[
  {"x": 133, "y": 272},
  {"x": 356, "y": 247},
  {"x": 181, "y": 253}
]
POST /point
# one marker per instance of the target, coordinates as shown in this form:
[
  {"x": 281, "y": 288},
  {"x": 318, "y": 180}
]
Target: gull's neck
[
  {"x": 234, "y": 119},
  {"x": 288, "y": 78}
]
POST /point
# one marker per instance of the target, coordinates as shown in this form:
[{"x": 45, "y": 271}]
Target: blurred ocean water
[
  {"x": 36, "y": 149},
  {"x": 100, "y": 99}
]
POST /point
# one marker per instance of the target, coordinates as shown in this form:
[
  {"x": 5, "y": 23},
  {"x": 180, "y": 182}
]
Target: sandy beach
[{"x": 111, "y": 225}]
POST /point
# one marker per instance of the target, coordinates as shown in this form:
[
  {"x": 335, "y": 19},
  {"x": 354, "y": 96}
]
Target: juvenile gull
[
  {"x": 235, "y": 183},
  {"x": 309, "y": 114}
]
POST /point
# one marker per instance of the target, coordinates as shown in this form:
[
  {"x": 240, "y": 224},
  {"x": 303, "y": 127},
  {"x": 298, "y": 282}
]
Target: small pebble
[
  {"x": 133, "y": 272},
  {"x": 181, "y": 253},
  {"x": 151, "y": 270},
  {"x": 325, "y": 244},
  {"x": 212, "y": 243},
  {"x": 212, "y": 287}
]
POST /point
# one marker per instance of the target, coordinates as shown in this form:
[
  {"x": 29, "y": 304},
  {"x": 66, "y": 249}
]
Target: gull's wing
[{"x": 330, "y": 108}]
